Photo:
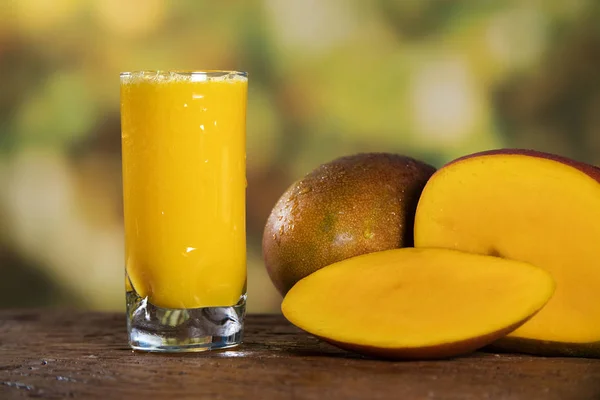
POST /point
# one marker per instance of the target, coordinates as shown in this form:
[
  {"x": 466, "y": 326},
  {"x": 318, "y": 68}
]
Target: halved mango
[
  {"x": 533, "y": 207},
  {"x": 417, "y": 303}
]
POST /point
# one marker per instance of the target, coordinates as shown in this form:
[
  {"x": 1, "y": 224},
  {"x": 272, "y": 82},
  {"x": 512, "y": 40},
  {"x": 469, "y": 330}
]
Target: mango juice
[{"x": 184, "y": 184}]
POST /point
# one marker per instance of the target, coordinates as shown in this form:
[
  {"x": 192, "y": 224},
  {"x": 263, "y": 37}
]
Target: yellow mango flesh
[{"x": 417, "y": 303}]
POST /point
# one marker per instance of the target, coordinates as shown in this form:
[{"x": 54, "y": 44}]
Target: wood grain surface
[{"x": 72, "y": 354}]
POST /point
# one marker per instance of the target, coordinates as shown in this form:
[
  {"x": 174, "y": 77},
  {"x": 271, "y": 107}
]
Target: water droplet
[
  {"x": 202, "y": 127},
  {"x": 305, "y": 190},
  {"x": 368, "y": 234},
  {"x": 294, "y": 209}
]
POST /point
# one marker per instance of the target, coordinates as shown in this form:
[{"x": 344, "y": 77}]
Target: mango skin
[
  {"x": 348, "y": 207},
  {"x": 442, "y": 351},
  {"x": 510, "y": 344},
  {"x": 588, "y": 169}
]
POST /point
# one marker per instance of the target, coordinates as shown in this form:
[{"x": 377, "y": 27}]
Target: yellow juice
[{"x": 184, "y": 184}]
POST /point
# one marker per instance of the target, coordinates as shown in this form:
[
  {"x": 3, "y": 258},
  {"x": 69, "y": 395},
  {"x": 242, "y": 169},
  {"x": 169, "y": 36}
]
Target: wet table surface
[{"x": 73, "y": 354}]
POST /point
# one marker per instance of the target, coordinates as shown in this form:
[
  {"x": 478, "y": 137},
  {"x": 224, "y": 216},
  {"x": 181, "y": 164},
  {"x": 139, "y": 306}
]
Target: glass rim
[{"x": 211, "y": 73}]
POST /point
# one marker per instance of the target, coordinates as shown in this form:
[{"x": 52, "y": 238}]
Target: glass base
[{"x": 159, "y": 329}]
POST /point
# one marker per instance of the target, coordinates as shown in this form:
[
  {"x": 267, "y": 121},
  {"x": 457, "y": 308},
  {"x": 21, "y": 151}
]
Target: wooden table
[{"x": 61, "y": 354}]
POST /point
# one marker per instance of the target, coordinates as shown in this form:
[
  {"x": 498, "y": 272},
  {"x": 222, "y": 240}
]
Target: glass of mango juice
[{"x": 184, "y": 181}]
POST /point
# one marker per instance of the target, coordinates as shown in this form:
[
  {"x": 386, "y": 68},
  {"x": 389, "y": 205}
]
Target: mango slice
[{"x": 417, "y": 303}]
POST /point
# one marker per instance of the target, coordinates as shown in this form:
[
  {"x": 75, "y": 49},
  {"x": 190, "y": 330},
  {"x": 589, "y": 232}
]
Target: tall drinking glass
[{"x": 184, "y": 181}]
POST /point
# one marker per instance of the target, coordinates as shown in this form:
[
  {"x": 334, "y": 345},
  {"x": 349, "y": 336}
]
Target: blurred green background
[{"x": 430, "y": 79}]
